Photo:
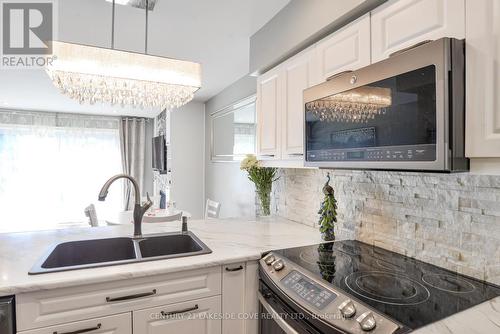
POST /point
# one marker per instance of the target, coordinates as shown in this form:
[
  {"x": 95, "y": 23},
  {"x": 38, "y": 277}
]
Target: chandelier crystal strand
[{"x": 116, "y": 91}]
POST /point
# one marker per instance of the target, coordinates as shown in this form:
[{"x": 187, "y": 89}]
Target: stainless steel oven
[
  {"x": 403, "y": 113},
  {"x": 7, "y": 316}
]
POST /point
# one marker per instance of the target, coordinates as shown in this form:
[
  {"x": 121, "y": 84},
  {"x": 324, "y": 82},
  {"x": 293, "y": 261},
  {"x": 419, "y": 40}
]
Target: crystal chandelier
[
  {"x": 99, "y": 75},
  {"x": 357, "y": 105}
]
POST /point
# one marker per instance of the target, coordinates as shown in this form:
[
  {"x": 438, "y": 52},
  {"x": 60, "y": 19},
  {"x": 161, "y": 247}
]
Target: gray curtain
[{"x": 133, "y": 149}]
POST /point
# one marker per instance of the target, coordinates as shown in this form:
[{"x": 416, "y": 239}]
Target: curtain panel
[{"x": 133, "y": 141}]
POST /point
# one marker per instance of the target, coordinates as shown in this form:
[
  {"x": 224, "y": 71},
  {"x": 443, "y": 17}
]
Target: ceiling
[{"x": 215, "y": 33}]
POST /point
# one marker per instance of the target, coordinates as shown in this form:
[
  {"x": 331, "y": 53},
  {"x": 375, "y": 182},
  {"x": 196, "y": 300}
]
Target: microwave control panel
[{"x": 413, "y": 153}]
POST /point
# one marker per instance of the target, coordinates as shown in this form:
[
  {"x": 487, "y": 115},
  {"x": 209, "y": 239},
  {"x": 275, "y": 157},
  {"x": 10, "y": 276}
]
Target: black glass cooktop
[{"x": 409, "y": 291}]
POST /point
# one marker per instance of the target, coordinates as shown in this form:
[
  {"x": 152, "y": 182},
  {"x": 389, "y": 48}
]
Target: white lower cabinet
[
  {"x": 58, "y": 306},
  {"x": 115, "y": 324},
  {"x": 233, "y": 298},
  {"x": 201, "y": 316},
  {"x": 182, "y": 303}
]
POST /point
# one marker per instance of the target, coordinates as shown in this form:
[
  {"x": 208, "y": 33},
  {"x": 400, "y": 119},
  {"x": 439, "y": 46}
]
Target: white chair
[{"x": 212, "y": 209}]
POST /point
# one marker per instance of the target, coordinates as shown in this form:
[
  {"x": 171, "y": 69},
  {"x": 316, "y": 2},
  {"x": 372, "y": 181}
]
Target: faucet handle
[{"x": 148, "y": 202}]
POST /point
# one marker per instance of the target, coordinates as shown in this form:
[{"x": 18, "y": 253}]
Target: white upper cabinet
[
  {"x": 345, "y": 50},
  {"x": 298, "y": 74},
  {"x": 268, "y": 107},
  {"x": 482, "y": 78},
  {"x": 396, "y": 25}
]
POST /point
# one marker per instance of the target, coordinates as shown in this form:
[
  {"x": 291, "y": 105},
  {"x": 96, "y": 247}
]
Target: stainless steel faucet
[{"x": 139, "y": 210}]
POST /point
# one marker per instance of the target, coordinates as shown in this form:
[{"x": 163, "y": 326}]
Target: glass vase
[{"x": 262, "y": 203}]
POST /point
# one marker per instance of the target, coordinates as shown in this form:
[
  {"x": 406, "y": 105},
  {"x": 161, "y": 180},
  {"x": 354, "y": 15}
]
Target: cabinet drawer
[
  {"x": 116, "y": 324},
  {"x": 52, "y": 307},
  {"x": 200, "y": 316}
]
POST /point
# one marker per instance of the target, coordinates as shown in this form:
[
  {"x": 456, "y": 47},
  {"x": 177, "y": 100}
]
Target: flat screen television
[{"x": 159, "y": 154}]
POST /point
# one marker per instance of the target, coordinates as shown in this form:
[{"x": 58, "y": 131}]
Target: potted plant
[{"x": 263, "y": 178}]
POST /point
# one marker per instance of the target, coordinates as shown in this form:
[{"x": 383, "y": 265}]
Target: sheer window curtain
[
  {"x": 134, "y": 145},
  {"x": 53, "y": 165}
]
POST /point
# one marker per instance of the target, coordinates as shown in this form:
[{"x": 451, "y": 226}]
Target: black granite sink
[
  {"x": 82, "y": 254},
  {"x": 85, "y": 252},
  {"x": 169, "y": 245}
]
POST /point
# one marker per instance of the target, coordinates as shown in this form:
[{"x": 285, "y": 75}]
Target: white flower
[{"x": 249, "y": 162}]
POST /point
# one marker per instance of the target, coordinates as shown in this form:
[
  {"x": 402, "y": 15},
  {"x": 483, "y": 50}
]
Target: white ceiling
[{"x": 215, "y": 33}]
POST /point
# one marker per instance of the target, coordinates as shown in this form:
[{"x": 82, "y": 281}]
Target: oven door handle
[{"x": 276, "y": 316}]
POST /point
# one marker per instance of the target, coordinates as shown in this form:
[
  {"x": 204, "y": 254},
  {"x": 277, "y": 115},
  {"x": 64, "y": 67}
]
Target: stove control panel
[
  {"x": 323, "y": 300},
  {"x": 309, "y": 291}
]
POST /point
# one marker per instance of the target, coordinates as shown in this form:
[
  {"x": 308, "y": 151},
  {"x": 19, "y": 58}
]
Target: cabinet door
[
  {"x": 400, "y": 24},
  {"x": 251, "y": 301},
  {"x": 482, "y": 78},
  {"x": 268, "y": 106},
  {"x": 233, "y": 298},
  {"x": 201, "y": 316},
  {"x": 345, "y": 50},
  {"x": 240, "y": 283},
  {"x": 297, "y": 76},
  {"x": 116, "y": 324}
]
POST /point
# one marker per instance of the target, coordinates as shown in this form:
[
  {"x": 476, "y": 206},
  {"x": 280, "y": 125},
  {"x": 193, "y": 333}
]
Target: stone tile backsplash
[{"x": 450, "y": 220}]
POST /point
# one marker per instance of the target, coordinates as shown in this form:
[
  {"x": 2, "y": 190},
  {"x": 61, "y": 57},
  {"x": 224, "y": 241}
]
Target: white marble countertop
[
  {"x": 231, "y": 240},
  {"x": 480, "y": 319}
]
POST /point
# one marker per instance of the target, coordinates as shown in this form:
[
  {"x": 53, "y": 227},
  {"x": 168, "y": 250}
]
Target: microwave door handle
[{"x": 276, "y": 316}]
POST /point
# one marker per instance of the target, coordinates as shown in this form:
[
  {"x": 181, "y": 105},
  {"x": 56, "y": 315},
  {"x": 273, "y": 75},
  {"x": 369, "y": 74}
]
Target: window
[
  {"x": 52, "y": 166},
  {"x": 233, "y": 131}
]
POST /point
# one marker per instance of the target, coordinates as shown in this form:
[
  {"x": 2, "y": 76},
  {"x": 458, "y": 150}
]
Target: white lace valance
[{"x": 63, "y": 120}]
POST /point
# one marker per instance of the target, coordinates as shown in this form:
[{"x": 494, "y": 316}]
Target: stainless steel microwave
[{"x": 402, "y": 113}]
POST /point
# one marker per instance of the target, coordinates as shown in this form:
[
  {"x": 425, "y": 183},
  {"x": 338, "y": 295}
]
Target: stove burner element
[
  {"x": 387, "y": 288},
  {"x": 448, "y": 283}
]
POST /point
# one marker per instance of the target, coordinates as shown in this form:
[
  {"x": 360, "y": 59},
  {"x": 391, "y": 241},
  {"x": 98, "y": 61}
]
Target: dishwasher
[{"x": 7, "y": 316}]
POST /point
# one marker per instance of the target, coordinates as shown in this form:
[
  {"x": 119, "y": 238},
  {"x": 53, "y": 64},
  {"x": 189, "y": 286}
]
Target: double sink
[{"x": 113, "y": 251}]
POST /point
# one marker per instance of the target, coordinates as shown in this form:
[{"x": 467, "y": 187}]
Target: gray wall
[
  {"x": 224, "y": 181},
  {"x": 300, "y": 24},
  {"x": 188, "y": 160}
]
